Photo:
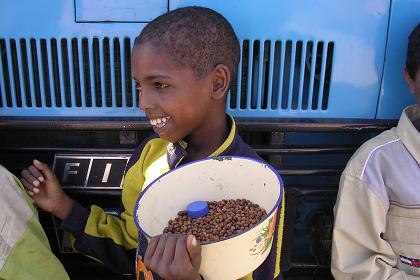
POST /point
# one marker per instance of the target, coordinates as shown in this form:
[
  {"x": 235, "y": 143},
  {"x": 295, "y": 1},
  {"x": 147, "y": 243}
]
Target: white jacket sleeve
[{"x": 358, "y": 250}]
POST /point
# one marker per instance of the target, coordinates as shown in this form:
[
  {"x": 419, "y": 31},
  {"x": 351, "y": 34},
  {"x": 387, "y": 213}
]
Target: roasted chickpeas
[{"x": 225, "y": 218}]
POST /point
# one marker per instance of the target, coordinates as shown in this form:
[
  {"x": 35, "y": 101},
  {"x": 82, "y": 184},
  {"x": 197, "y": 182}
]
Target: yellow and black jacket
[{"x": 113, "y": 240}]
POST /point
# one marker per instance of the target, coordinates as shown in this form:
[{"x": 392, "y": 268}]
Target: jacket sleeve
[
  {"x": 358, "y": 250},
  {"x": 107, "y": 238},
  {"x": 101, "y": 236}
]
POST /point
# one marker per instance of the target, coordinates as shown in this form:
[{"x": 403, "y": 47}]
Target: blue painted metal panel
[
  {"x": 52, "y": 23},
  {"x": 119, "y": 11},
  {"x": 306, "y": 59},
  {"x": 356, "y": 28},
  {"x": 55, "y": 19},
  {"x": 395, "y": 94}
]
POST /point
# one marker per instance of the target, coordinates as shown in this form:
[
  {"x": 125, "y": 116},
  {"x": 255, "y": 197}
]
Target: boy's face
[
  {"x": 414, "y": 84},
  {"x": 175, "y": 101}
]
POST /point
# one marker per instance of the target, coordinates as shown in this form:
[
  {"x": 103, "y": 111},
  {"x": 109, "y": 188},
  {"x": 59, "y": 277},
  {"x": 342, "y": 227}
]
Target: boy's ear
[
  {"x": 409, "y": 80},
  {"x": 221, "y": 81}
]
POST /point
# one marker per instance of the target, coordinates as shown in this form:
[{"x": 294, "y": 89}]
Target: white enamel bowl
[{"x": 214, "y": 179}]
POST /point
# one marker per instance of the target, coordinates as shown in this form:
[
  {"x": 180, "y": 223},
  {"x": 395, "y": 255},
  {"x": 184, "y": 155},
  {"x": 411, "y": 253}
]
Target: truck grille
[{"x": 52, "y": 77}]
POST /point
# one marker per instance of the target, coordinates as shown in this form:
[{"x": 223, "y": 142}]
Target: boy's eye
[
  {"x": 138, "y": 87},
  {"x": 160, "y": 85}
]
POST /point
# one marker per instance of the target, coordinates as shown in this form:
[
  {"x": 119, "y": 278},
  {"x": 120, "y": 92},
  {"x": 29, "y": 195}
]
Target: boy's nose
[{"x": 145, "y": 101}]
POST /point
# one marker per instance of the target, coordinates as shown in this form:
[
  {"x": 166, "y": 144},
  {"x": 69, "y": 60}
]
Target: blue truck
[{"x": 315, "y": 80}]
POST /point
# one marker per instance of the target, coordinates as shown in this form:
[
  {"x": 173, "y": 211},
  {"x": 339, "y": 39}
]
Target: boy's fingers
[
  {"x": 181, "y": 249},
  {"x": 194, "y": 251},
  {"x": 181, "y": 258},
  {"x": 29, "y": 178},
  {"x": 169, "y": 250},
  {"x": 151, "y": 248},
  {"x": 44, "y": 168},
  {"x": 27, "y": 186},
  {"x": 35, "y": 172},
  {"x": 157, "y": 256}
]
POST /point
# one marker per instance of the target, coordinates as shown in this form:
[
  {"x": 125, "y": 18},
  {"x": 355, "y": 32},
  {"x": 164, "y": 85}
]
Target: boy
[
  {"x": 183, "y": 63},
  {"x": 377, "y": 214}
]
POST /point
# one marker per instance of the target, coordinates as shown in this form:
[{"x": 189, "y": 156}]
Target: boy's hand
[
  {"x": 174, "y": 257},
  {"x": 45, "y": 189}
]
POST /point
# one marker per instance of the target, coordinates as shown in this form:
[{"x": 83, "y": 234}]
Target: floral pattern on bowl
[{"x": 262, "y": 242}]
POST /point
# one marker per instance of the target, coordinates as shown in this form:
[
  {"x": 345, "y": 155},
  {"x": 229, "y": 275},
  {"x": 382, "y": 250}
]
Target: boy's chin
[{"x": 168, "y": 138}]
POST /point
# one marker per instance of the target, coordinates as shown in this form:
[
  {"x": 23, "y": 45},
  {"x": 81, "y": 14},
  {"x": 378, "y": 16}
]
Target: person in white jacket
[{"x": 377, "y": 214}]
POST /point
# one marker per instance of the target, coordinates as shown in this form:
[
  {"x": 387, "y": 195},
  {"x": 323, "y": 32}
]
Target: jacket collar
[{"x": 177, "y": 151}]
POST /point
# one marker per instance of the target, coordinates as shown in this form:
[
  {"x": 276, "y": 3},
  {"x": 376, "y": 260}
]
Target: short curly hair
[
  {"x": 196, "y": 37},
  {"x": 413, "y": 52}
]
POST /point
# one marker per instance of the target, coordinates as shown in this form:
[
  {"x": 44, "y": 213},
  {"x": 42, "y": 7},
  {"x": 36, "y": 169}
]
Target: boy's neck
[{"x": 204, "y": 142}]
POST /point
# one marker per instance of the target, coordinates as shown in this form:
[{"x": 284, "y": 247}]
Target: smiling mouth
[{"x": 160, "y": 122}]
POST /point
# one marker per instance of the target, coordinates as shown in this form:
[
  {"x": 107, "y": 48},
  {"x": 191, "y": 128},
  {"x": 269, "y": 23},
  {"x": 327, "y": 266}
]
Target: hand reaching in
[{"x": 45, "y": 189}]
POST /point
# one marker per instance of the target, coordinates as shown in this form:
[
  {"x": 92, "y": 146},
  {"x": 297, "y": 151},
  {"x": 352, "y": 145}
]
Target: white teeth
[{"x": 159, "y": 122}]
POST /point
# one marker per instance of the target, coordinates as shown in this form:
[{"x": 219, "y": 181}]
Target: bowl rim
[{"x": 218, "y": 158}]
